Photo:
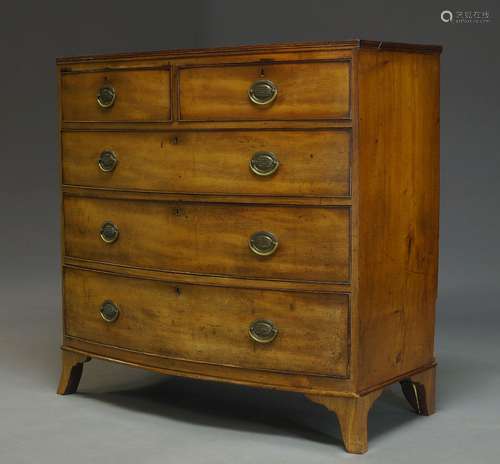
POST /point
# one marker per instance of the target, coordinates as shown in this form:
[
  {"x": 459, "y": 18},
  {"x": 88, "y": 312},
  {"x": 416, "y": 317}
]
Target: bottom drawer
[{"x": 298, "y": 332}]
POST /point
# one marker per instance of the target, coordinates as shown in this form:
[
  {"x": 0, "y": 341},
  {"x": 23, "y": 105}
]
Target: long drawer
[
  {"x": 116, "y": 95},
  {"x": 265, "y": 91},
  {"x": 281, "y": 163},
  {"x": 256, "y": 329},
  {"x": 263, "y": 242}
]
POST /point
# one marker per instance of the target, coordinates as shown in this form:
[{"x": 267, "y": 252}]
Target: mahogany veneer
[{"x": 261, "y": 215}]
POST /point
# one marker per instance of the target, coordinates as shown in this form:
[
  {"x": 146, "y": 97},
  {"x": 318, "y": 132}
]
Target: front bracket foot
[
  {"x": 352, "y": 415},
  {"x": 71, "y": 372}
]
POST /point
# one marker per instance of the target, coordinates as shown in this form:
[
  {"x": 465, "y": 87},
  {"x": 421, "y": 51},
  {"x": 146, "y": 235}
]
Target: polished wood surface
[
  {"x": 212, "y": 238},
  {"x": 352, "y": 415},
  {"x": 211, "y": 280},
  {"x": 354, "y": 205},
  {"x": 141, "y": 95},
  {"x": 258, "y": 49},
  {"x": 315, "y": 90},
  {"x": 100, "y": 192},
  {"x": 312, "y": 162},
  {"x": 301, "y": 383},
  {"x": 211, "y": 324},
  {"x": 398, "y": 181}
]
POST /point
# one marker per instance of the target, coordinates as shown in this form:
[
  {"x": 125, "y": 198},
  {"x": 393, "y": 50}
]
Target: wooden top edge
[
  {"x": 402, "y": 47},
  {"x": 260, "y": 48}
]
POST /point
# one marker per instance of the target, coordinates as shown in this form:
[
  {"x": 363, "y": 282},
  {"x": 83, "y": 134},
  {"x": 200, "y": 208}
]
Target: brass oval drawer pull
[
  {"x": 262, "y": 331},
  {"x": 107, "y": 161},
  {"x": 263, "y": 243},
  {"x": 109, "y": 232},
  {"x": 263, "y": 92},
  {"x": 264, "y": 163},
  {"x": 106, "y": 96},
  {"x": 109, "y": 311}
]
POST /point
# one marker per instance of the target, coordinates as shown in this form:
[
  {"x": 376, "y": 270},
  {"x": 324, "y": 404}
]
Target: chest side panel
[{"x": 398, "y": 212}]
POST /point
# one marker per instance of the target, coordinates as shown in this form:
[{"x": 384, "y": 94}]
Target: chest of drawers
[{"x": 262, "y": 215}]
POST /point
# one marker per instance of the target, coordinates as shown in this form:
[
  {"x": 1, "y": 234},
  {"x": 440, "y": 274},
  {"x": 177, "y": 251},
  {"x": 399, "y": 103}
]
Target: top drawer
[
  {"x": 119, "y": 95},
  {"x": 269, "y": 92}
]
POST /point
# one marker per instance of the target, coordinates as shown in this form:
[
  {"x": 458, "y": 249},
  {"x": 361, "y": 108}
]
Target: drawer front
[
  {"x": 305, "y": 163},
  {"x": 300, "y": 91},
  {"x": 313, "y": 242},
  {"x": 116, "y": 96},
  {"x": 211, "y": 324}
]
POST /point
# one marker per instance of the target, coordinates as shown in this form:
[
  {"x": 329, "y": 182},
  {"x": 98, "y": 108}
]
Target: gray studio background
[{"x": 128, "y": 416}]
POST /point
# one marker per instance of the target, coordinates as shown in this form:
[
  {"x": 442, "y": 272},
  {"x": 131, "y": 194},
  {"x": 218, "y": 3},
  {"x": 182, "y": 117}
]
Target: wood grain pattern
[
  {"x": 212, "y": 239},
  {"x": 122, "y": 194},
  {"x": 210, "y": 325},
  {"x": 215, "y": 281},
  {"x": 141, "y": 95},
  {"x": 353, "y": 284},
  {"x": 302, "y": 383},
  {"x": 178, "y": 126},
  {"x": 312, "y": 163},
  {"x": 316, "y": 90},
  {"x": 399, "y": 211},
  {"x": 284, "y": 381},
  {"x": 352, "y": 414},
  {"x": 245, "y": 50}
]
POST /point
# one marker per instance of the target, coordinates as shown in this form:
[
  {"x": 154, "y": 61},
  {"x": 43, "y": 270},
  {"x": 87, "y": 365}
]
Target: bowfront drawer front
[
  {"x": 263, "y": 91},
  {"x": 257, "y": 329},
  {"x": 263, "y": 242},
  {"x": 124, "y": 95},
  {"x": 286, "y": 163}
]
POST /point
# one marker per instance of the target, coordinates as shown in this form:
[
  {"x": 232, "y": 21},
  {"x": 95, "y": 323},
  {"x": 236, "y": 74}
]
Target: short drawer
[
  {"x": 288, "y": 243},
  {"x": 271, "y": 163},
  {"x": 263, "y": 91},
  {"x": 121, "y": 95},
  {"x": 255, "y": 329}
]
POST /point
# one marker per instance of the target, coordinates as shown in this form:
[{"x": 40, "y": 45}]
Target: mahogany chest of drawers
[{"x": 262, "y": 215}]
